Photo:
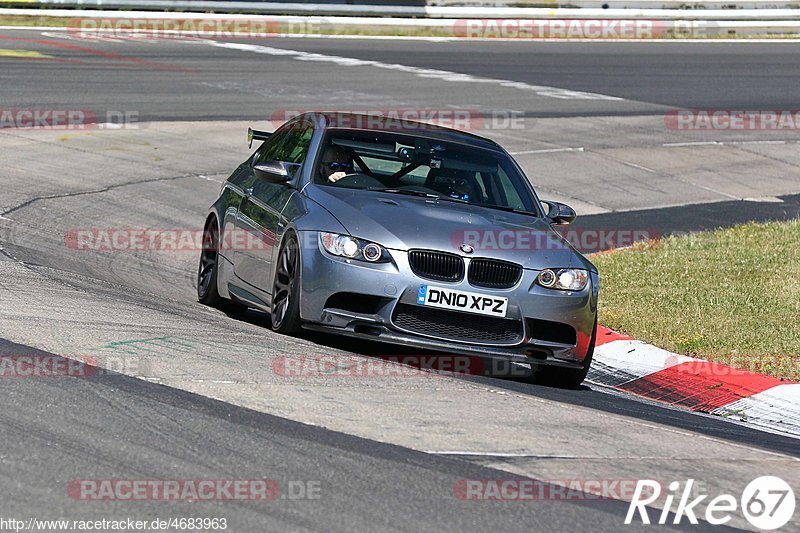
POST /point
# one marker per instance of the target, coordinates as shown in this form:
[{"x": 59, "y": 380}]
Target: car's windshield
[{"x": 415, "y": 165}]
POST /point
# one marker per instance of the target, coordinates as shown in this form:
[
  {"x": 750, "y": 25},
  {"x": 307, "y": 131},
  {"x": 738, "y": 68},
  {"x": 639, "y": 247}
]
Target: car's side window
[
  {"x": 267, "y": 151},
  {"x": 295, "y": 147},
  {"x": 289, "y": 144},
  {"x": 294, "y": 143}
]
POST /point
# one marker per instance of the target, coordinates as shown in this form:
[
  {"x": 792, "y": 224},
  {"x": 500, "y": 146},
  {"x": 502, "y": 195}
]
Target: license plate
[{"x": 469, "y": 302}]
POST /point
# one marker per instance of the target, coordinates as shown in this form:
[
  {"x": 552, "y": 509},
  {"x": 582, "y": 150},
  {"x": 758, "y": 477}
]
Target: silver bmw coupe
[{"x": 405, "y": 233}]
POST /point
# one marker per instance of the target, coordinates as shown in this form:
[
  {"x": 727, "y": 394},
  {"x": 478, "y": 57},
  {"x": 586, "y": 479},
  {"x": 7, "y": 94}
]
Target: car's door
[{"x": 260, "y": 210}]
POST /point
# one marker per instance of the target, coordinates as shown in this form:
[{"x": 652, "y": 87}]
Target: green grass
[
  {"x": 731, "y": 295},
  {"x": 24, "y": 20}
]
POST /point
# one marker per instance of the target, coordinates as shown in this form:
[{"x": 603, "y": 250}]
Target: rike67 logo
[{"x": 767, "y": 502}]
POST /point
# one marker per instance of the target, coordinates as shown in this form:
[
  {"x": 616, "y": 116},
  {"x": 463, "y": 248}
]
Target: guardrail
[
  {"x": 445, "y": 12},
  {"x": 552, "y": 27},
  {"x": 423, "y": 7}
]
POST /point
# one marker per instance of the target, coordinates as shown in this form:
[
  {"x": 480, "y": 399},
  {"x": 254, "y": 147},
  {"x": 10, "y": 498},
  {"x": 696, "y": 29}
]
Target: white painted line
[
  {"x": 640, "y": 167},
  {"x": 444, "y": 75},
  {"x": 627, "y": 163},
  {"x": 711, "y": 189},
  {"x": 764, "y": 199},
  {"x": 504, "y": 454},
  {"x": 722, "y": 143},
  {"x": 547, "y": 151},
  {"x": 695, "y": 143},
  {"x": 754, "y": 142}
]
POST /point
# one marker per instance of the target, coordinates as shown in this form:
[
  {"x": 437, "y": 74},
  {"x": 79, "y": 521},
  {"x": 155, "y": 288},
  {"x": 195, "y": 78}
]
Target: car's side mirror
[
  {"x": 274, "y": 171},
  {"x": 560, "y": 214}
]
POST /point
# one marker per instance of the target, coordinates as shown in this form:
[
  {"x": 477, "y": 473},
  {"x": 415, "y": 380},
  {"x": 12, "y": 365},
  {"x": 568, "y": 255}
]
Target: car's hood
[{"x": 403, "y": 222}]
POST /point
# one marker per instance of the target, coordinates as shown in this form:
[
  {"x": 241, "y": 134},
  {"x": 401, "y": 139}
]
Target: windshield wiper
[
  {"x": 421, "y": 194},
  {"x": 410, "y": 192},
  {"x": 510, "y": 209}
]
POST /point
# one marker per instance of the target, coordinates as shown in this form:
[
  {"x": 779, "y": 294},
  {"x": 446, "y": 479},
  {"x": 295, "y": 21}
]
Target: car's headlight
[
  {"x": 565, "y": 279},
  {"x": 353, "y": 248}
]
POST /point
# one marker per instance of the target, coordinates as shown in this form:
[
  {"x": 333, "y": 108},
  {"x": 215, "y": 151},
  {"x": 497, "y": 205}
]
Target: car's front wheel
[
  {"x": 567, "y": 378},
  {"x": 208, "y": 272},
  {"x": 286, "y": 289},
  {"x": 209, "y": 265}
]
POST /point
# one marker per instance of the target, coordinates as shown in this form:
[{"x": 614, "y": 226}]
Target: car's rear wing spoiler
[{"x": 257, "y": 135}]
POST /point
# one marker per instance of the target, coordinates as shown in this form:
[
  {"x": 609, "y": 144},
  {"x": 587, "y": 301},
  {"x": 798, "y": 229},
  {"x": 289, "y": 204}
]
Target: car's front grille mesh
[
  {"x": 493, "y": 274},
  {"x": 438, "y": 266},
  {"x": 457, "y": 326}
]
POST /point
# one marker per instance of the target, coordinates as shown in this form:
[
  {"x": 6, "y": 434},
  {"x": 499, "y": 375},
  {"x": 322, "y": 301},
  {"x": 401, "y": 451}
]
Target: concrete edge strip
[{"x": 636, "y": 367}]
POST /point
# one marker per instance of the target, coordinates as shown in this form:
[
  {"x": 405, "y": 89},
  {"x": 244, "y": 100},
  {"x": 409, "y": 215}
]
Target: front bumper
[{"x": 394, "y": 284}]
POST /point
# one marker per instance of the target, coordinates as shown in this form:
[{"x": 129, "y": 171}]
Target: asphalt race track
[
  {"x": 192, "y": 81},
  {"x": 386, "y": 452}
]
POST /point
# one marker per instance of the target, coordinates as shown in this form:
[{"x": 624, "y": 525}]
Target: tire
[
  {"x": 566, "y": 378},
  {"x": 286, "y": 289},
  {"x": 208, "y": 269}
]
